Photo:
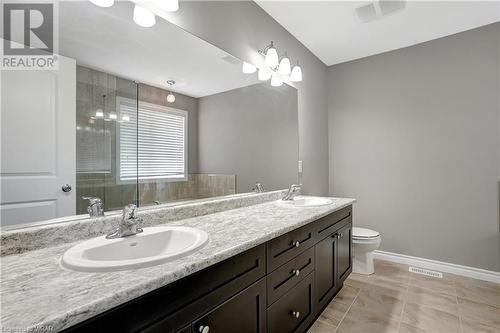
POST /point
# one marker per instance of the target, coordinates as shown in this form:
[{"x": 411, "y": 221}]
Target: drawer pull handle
[
  {"x": 296, "y": 272},
  {"x": 204, "y": 329},
  {"x": 296, "y": 314},
  {"x": 341, "y": 235},
  {"x": 297, "y": 244}
]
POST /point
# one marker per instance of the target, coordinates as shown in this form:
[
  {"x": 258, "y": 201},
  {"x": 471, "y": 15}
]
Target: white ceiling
[
  {"x": 334, "y": 33},
  {"x": 107, "y": 39}
]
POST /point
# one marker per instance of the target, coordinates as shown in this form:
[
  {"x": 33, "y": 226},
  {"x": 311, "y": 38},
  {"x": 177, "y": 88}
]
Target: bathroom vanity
[{"x": 278, "y": 286}]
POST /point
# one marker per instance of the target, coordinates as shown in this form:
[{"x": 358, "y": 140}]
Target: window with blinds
[{"x": 154, "y": 146}]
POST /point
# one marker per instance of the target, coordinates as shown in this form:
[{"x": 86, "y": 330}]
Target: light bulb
[
  {"x": 284, "y": 68},
  {"x": 170, "y": 98},
  {"x": 263, "y": 75},
  {"x": 271, "y": 59},
  {"x": 276, "y": 82},
  {"x": 112, "y": 115},
  {"x": 169, "y": 5},
  {"x": 99, "y": 114},
  {"x": 125, "y": 118},
  {"x": 296, "y": 75},
  {"x": 144, "y": 17},
  {"x": 103, "y": 3},
  {"x": 248, "y": 68}
]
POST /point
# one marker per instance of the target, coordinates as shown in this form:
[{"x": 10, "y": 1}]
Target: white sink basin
[
  {"x": 155, "y": 245},
  {"x": 305, "y": 201}
]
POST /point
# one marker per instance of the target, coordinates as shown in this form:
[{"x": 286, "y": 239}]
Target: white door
[{"x": 38, "y": 110}]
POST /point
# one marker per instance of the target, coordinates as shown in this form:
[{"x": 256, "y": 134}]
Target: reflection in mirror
[{"x": 138, "y": 115}]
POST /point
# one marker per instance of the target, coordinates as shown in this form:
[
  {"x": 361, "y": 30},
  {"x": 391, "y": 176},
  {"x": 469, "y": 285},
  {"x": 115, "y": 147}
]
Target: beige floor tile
[
  {"x": 434, "y": 299},
  {"x": 395, "y": 284},
  {"x": 391, "y": 270},
  {"x": 479, "y": 293},
  {"x": 473, "y": 326},
  {"x": 321, "y": 327},
  {"x": 484, "y": 313},
  {"x": 470, "y": 282},
  {"x": 356, "y": 280},
  {"x": 405, "y": 328},
  {"x": 360, "y": 321},
  {"x": 333, "y": 313},
  {"x": 445, "y": 285},
  {"x": 378, "y": 303},
  {"x": 430, "y": 319},
  {"x": 346, "y": 295}
]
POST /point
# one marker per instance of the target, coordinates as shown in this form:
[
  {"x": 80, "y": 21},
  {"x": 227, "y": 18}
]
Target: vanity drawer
[
  {"x": 286, "y": 247},
  {"x": 287, "y": 276},
  {"x": 330, "y": 223},
  {"x": 294, "y": 311}
]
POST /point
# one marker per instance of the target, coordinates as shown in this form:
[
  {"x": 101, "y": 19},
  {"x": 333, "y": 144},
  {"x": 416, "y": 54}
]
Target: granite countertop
[{"x": 36, "y": 292}]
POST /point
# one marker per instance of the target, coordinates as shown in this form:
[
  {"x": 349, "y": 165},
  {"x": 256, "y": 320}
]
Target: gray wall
[
  {"x": 242, "y": 28},
  {"x": 251, "y": 132},
  {"x": 414, "y": 136}
]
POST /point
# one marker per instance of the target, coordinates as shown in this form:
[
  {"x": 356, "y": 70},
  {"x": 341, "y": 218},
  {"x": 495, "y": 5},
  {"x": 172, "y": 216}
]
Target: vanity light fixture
[
  {"x": 248, "y": 68},
  {"x": 276, "y": 81},
  {"x": 99, "y": 113},
  {"x": 169, "y": 5},
  {"x": 296, "y": 75},
  {"x": 103, "y": 3},
  {"x": 271, "y": 59},
  {"x": 284, "y": 66},
  {"x": 263, "y": 75},
  {"x": 170, "y": 96},
  {"x": 112, "y": 115},
  {"x": 144, "y": 17}
]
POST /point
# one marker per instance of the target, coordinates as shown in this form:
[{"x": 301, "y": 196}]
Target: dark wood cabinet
[
  {"x": 344, "y": 252},
  {"x": 243, "y": 313},
  {"x": 277, "y": 287},
  {"x": 295, "y": 310},
  {"x": 326, "y": 273}
]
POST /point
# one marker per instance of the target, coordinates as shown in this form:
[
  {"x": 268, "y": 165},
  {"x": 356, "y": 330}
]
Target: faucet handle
[
  {"x": 92, "y": 200},
  {"x": 129, "y": 212}
]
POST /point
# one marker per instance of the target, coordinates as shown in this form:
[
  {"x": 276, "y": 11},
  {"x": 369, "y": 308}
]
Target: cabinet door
[
  {"x": 344, "y": 255},
  {"x": 243, "y": 313},
  {"x": 326, "y": 270},
  {"x": 295, "y": 310}
]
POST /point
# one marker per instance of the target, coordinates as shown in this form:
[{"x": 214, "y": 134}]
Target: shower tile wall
[{"x": 96, "y": 148}]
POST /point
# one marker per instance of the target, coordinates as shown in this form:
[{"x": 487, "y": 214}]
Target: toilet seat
[{"x": 364, "y": 233}]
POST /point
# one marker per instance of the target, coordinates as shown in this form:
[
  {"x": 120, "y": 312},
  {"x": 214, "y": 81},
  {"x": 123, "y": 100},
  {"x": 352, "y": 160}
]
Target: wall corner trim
[{"x": 472, "y": 272}]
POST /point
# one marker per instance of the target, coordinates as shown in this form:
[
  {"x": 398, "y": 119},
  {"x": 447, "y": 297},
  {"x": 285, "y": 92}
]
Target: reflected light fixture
[
  {"x": 263, "y": 75},
  {"x": 169, "y": 5},
  {"x": 170, "y": 96},
  {"x": 271, "y": 59},
  {"x": 99, "y": 113},
  {"x": 112, "y": 115},
  {"x": 103, "y": 3},
  {"x": 296, "y": 75},
  {"x": 276, "y": 82},
  {"x": 248, "y": 68},
  {"x": 125, "y": 118},
  {"x": 284, "y": 67},
  {"x": 144, "y": 17}
]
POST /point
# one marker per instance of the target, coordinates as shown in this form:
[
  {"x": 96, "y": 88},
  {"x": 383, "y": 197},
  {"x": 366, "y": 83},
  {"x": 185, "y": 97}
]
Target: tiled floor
[{"x": 395, "y": 300}]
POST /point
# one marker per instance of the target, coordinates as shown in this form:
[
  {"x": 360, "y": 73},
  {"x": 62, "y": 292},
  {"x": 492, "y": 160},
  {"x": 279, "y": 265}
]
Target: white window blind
[{"x": 155, "y": 145}]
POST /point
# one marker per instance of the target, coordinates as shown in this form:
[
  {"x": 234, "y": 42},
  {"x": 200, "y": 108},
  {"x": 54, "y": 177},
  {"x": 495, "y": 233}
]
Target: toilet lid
[{"x": 358, "y": 232}]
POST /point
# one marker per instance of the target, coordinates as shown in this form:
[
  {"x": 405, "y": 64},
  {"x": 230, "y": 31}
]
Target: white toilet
[{"x": 364, "y": 242}]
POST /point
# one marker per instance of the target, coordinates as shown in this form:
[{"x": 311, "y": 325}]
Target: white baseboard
[{"x": 476, "y": 273}]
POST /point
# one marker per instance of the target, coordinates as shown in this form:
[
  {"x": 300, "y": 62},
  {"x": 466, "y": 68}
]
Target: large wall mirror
[{"x": 138, "y": 115}]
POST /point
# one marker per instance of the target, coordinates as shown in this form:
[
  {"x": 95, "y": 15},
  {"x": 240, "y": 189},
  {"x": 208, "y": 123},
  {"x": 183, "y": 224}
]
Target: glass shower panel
[{"x": 103, "y": 151}]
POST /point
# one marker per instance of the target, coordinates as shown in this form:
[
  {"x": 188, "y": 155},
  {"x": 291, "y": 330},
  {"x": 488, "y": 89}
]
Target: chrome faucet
[
  {"x": 293, "y": 191},
  {"x": 259, "y": 188},
  {"x": 95, "y": 206},
  {"x": 128, "y": 225}
]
